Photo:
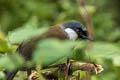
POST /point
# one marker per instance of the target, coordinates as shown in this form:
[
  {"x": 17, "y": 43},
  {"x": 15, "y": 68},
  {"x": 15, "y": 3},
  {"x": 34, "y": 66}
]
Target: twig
[
  {"x": 87, "y": 19},
  {"x": 74, "y": 66}
]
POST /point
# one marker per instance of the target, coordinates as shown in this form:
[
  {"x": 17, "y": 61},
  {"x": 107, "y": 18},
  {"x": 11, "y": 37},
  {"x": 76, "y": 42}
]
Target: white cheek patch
[{"x": 71, "y": 34}]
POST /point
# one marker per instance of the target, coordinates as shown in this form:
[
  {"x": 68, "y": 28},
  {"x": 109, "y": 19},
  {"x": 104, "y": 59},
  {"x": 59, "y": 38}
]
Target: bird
[{"x": 71, "y": 30}]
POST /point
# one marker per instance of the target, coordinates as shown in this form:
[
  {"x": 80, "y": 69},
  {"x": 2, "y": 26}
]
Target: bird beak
[{"x": 90, "y": 38}]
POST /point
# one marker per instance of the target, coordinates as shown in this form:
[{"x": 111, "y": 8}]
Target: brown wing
[{"x": 27, "y": 47}]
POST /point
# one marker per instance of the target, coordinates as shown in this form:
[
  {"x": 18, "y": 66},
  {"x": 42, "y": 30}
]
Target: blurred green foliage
[
  {"x": 53, "y": 50},
  {"x": 20, "y": 20}
]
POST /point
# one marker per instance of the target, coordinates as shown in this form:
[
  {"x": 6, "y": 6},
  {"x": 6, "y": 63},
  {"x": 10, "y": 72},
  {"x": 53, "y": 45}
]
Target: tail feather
[{"x": 10, "y": 75}]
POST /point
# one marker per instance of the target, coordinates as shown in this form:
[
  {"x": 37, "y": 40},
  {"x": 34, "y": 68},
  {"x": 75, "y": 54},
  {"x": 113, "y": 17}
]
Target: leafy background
[{"x": 20, "y": 20}]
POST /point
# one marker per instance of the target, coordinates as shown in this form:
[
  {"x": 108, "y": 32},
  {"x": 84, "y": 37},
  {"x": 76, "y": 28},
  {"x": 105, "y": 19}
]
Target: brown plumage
[{"x": 27, "y": 47}]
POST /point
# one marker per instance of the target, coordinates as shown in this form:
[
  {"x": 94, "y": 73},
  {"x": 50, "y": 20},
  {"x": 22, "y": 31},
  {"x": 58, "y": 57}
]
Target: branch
[{"x": 63, "y": 70}]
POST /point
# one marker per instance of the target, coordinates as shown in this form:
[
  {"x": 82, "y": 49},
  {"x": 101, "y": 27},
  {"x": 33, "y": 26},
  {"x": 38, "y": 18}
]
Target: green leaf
[
  {"x": 3, "y": 46},
  {"x": 2, "y": 76},
  {"x": 2, "y": 35},
  {"x": 3, "y": 43},
  {"x": 11, "y": 62},
  {"x": 105, "y": 50},
  {"x": 51, "y": 50},
  {"x": 25, "y": 32}
]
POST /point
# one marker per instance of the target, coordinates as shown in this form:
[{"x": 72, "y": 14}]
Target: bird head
[{"x": 75, "y": 30}]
